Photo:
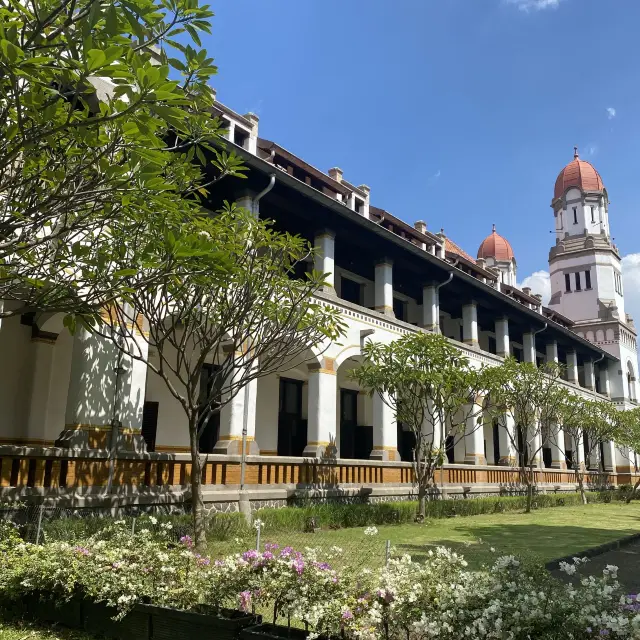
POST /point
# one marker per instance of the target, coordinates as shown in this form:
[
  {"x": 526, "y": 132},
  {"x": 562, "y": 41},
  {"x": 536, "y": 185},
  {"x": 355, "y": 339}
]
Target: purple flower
[
  {"x": 204, "y": 562},
  {"x": 116, "y": 565},
  {"x": 386, "y": 595},
  {"x": 218, "y": 563},
  {"x": 82, "y": 551},
  {"x": 271, "y": 546},
  {"x": 604, "y": 632},
  {"x": 323, "y": 566},
  {"x": 252, "y": 554},
  {"x": 187, "y": 541},
  {"x": 298, "y": 565},
  {"x": 267, "y": 555},
  {"x": 347, "y": 615},
  {"x": 286, "y": 552},
  {"x": 245, "y": 600}
]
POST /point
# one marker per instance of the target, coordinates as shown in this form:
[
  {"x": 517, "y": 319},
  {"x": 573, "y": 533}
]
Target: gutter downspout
[{"x": 243, "y": 498}]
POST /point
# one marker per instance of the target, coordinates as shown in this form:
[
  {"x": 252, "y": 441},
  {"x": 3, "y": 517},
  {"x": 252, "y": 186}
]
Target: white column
[
  {"x": 430, "y": 308},
  {"x": 529, "y": 345},
  {"x": 506, "y": 437},
  {"x": 556, "y": 444},
  {"x": 105, "y": 386},
  {"x": 502, "y": 337},
  {"x": 589, "y": 375},
  {"x": 578, "y": 452},
  {"x": 470, "y": 324},
  {"x": 231, "y": 132},
  {"x": 232, "y": 417},
  {"x": 324, "y": 244},
  {"x": 534, "y": 440},
  {"x": 474, "y": 437},
  {"x": 605, "y": 387},
  {"x": 572, "y": 367},
  {"x": 38, "y": 427},
  {"x": 552, "y": 352},
  {"x": 385, "y": 431},
  {"x": 322, "y": 419},
  {"x": 384, "y": 288},
  {"x": 609, "y": 462}
]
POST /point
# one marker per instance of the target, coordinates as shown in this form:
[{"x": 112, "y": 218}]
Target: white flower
[
  {"x": 371, "y": 531},
  {"x": 258, "y": 524},
  {"x": 153, "y": 520}
]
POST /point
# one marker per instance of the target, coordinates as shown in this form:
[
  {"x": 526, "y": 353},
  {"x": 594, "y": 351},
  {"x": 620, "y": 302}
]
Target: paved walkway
[{"x": 627, "y": 559}]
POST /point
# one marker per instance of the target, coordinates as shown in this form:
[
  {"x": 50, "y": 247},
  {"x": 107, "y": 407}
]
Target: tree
[
  {"x": 223, "y": 295},
  {"x": 588, "y": 423},
  {"x": 628, "y": 436},
  {"x": 102, "y": 113},
  {"x": 531, "y": 397},
  {"x": 432, "y": 389}
]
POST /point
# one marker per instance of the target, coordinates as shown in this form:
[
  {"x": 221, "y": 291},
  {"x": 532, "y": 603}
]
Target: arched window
[{"x": 631, "y": 381}]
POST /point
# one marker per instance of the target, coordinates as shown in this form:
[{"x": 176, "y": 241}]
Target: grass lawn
[
  {"x": 19, "y": 630},
  {"x": 543, "y": 535}
]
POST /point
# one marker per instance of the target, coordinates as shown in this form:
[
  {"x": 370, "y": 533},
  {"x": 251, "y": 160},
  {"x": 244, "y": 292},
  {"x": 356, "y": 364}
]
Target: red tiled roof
[
  {"x": 452, "y": 247},
  {"x": 578, "y": 173},
  {"x": 495, "y": 246}
]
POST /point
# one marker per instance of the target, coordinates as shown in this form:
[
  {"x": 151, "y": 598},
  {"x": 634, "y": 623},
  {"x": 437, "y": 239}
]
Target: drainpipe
[{"x": 243, "y": 498}]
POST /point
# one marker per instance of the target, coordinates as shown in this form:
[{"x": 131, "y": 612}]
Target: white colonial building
[{"x": 62, "y": 394}]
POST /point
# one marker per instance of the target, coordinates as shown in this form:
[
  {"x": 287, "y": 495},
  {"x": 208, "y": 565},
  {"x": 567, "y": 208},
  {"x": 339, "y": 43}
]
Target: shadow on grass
[{"x": 531, "y": 541}]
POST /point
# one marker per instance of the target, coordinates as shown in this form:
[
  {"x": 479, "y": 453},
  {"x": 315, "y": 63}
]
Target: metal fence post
[
  {"x": 133, "y": 526},
  {"x": 258, "y": 529},
  {"x": 387, "y": 553},
  {"x": 39, "y": 524}
]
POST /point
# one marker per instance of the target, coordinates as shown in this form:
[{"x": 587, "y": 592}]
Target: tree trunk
[
  {"x": 529, "y": 481},
  {"x": 580, "y": 479},
  {"x": 197, "y": 502},
  {"x": 422, "y": 502},
  {"x": 632, "y": 493}
]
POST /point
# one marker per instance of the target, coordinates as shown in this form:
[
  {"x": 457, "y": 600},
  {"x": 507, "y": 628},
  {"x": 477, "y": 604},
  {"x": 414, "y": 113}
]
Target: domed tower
[
  {"x": 497, "y": 252},
  {"x": 586, "y": 271}
]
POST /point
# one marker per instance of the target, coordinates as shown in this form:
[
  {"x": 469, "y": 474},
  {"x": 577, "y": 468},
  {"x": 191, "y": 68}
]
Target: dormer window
[
  {"x": 240, "y": 137},
  {"x": 358, "y": 206}
]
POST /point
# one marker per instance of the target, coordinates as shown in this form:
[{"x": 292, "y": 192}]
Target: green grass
[
  {"x": 542, "y": 535},
  {"x": 11, "y": 629}
]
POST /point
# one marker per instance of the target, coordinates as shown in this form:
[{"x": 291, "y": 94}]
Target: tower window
[
  {"x": 578, "y": 285},
  {"x": 587, "y": 279},
  {"x": 593, "y": 214},
  {"x": 575, "y": 215},
  {"x": 567, "y": 282}
]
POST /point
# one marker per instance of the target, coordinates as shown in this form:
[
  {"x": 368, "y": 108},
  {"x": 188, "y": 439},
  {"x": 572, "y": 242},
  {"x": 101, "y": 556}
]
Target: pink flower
[
  {"x": 245, "y": 600},
  {"x": 187, "y": 541}
]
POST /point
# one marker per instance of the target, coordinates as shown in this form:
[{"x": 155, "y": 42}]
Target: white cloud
[
  {"x": 539, "y": 282},
  {"x": 611, "y": 113},
  {"x": 592, "y": 149},
  {"x": 631, "y": 285},
  {"x": 434, "y": 178},
  {"x": 534, "y": 5}
]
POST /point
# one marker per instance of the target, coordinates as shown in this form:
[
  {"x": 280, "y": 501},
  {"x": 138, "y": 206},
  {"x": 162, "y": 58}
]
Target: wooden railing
[{"x": 60, "y": 469}]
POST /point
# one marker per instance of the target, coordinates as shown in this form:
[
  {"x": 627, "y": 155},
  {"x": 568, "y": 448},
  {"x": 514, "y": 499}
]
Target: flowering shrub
[{"x": 436, "y": 598}]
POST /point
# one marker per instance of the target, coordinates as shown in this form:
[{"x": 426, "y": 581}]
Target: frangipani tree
[
  {"x": 530, "y": 396},
  {"x": 587, "y": 423},
  {"x": 105, "y": 119},
  {"x": 432, "y": 389},
  {"x": 628, "y": 441},
  {"x": 224, "y": 295}
]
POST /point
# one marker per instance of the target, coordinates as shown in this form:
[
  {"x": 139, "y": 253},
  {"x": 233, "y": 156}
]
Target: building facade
[{"x": 63, "y": 394}]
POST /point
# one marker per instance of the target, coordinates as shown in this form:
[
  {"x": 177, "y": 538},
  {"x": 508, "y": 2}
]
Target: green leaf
[{"x": 96, "y": 58}]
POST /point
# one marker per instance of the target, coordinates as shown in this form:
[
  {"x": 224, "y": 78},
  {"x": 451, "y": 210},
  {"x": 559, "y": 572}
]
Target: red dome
[
  {"x": 495, "y": 246},
  {"x": 578, "y": 173}
]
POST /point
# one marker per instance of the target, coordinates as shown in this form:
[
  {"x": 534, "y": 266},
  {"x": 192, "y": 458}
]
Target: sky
[{"x": 460, "y": 113}]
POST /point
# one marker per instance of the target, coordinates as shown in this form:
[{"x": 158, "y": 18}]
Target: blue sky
[{"x": 457, "y": 112}]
